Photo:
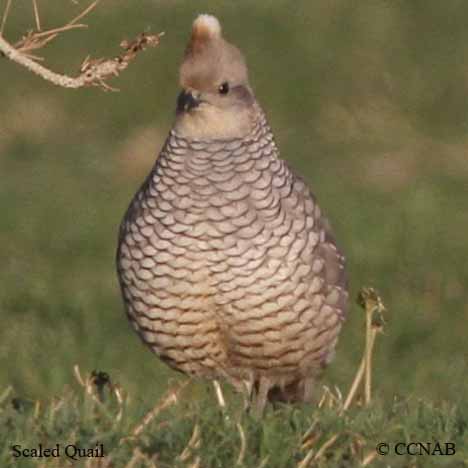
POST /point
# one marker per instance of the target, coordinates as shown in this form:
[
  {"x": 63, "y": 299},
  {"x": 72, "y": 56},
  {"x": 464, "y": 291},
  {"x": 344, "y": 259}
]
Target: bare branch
[
  {"x": 31, "y": 40},
  {"x": 21, "y": 59},
  {"x": 67, "y": 27},
  {"x": 93, "y": 72},
  {"x": 37, "y": 40}
]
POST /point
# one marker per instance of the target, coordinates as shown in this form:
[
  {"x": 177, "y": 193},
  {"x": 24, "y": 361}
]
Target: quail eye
[{"x": 224, "y": 88}]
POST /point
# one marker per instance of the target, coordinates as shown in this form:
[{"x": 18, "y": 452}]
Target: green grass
[
  {"x": 367, "y": 100},
  {"x": 187, "y": 431}
]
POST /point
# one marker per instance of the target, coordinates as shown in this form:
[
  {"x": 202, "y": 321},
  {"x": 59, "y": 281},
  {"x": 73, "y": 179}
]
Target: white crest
[{"x": 208, "y": 23}]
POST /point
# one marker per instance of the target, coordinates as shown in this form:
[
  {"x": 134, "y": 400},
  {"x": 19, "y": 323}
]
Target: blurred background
[{"x": 368, "y": 101}]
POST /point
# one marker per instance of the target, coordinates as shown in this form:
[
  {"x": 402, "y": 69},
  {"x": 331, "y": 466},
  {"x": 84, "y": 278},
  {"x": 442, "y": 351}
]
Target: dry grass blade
[
  {"x": 369, "y": 458},
  {"x": 36, "y": 15},
  {"x": 304, "y": 463},
  {"x": 118, "y": 395},
  {"x": 87, "y": 383},
  {"x": 243, "y": 448},
  {"x": 314, "y": 456},
  {"x": 219, "y": 394},
  {"x": 196, "y": 463},
  {"x": 37, "y": 409},
  {"x": 168, "y": 400},
  {"x": 326, "y": 446},
  {"x": 77, "y": 373},
  {"x": 329, "y": 399},
  {"x": 6, "y": 394},
  {"x": 87, "y": 10},
  {"x": 193, "y": 443},
  {"x": 310, "y": 436},
  {"x": 6, "y": 11},
  {"x": 137, "y": 456}
]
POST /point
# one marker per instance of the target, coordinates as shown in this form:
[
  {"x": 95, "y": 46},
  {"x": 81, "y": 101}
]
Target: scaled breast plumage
[{"x": 226, "y": 265}]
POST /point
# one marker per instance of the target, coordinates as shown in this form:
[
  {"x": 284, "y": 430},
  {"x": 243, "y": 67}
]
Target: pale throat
[{"x": 209, "y": 122}]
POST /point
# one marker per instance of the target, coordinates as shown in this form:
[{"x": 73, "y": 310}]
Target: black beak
[{"x": 186, "y": 101}]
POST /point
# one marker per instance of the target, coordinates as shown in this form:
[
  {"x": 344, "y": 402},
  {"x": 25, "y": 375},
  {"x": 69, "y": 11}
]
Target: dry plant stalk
[
  {"x": 171, "y": 398},
  {"x": 93, "y": 72},
  {"x": 374, "y": 308}
]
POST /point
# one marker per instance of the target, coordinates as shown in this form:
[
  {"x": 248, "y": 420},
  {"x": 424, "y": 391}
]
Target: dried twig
[
  {"x": 84, "y": 12},
  {"x": 93, "y": 72},
  {"x": 50, "y": 32},
  {"x": 36, "y": 40},
  {"x": 36, "y": 15},
  {"x": 5, "y": 16}
]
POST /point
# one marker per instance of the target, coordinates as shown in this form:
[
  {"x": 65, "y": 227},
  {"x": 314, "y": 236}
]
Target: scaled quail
[{"x": 226, "y": 265}]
